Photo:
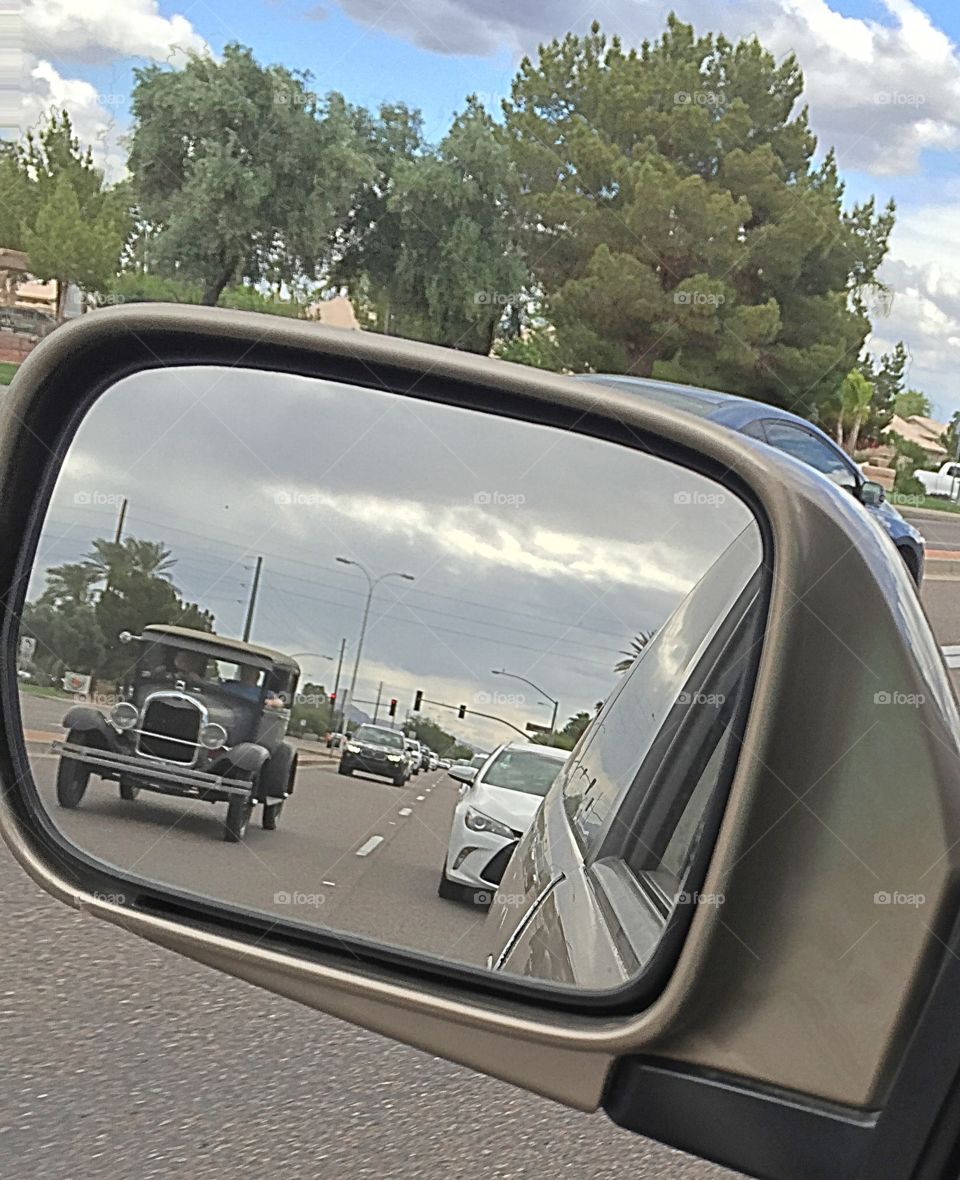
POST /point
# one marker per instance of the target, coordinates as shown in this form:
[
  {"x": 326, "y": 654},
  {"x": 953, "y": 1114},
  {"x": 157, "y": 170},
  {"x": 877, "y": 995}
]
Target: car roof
[
  {"x": 210, "y": 643},
  {"x": 537, "y": 748},
  {"x": 729, "y": 409}
]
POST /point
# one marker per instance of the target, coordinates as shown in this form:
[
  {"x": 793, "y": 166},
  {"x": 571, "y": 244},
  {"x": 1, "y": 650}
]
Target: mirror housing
[
  {"x": 463, "y": 774},
  {"x": 871, "y": 493}
]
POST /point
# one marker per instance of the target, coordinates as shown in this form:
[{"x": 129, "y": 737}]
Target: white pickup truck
[{"x": 945, "y": 482}]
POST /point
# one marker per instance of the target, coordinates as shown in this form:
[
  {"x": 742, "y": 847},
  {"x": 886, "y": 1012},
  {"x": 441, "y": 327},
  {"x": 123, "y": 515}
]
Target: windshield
[
  {"x": 378, "y": 737},
  {"x": 530, "y": 771}
]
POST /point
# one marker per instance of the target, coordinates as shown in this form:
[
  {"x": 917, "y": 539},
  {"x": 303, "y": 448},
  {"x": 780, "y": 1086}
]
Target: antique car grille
[{"x": 163, "y": 720}]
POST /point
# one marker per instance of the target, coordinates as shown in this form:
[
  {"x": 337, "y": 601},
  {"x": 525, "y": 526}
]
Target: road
[{"x": 941, "y": 530}]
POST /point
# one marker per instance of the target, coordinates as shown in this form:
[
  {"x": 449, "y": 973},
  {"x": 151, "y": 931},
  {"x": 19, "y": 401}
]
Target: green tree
[
  {"x": 912, "y": 402},
  {"x": 950, "y": 439},
  {"x": 637, "y": 644},
  {"x": 439, "y": 263},
  {"x": 566, "y": 738},
  {"x": 72, "y": 226},
  {"x": 69, "y": 584},
  {"x": 676, "y": 222},
  {"x": 68, "y": 637},
  {"x": 886, "y": 375},
  {"x": 851, "y": 407},
  {"x": 909, "y": 457},
  {"x": 240, "y": 171}
]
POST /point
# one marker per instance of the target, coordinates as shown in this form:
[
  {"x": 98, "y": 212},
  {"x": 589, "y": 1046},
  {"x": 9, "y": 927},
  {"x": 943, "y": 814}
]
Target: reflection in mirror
[{"x": 434, "y": 678}]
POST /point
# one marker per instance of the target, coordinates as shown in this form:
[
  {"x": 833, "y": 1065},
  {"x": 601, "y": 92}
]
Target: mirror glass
[{"x": 426, "y": 676}]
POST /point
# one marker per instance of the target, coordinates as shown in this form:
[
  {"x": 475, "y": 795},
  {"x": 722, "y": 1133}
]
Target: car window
[
  {"x": 382, "y": 737},
  {"x": 754, "y": 430},
  {"x": 644, "y": 711},
  {"x": 815, "y": 452},
  {"x": 523, "y": 770}
]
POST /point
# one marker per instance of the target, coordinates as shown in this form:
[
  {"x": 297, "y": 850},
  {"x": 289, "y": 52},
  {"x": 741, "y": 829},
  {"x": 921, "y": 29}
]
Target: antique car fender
[
  {"x": 246, "y": 756},
  {"x": 93, "y": 725}
]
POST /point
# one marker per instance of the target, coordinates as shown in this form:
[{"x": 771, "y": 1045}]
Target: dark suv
[{"x": 376, "y": 750}]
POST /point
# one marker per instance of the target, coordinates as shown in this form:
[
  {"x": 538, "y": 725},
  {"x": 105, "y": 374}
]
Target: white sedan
[{"x": 497, "y": 804}]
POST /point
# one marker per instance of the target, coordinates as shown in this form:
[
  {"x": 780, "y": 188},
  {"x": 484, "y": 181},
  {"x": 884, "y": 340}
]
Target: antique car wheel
[
  {"x": 128, "y": 791},
  {"x": 271, "y": 813},
  {"x": 239, "y": 810},
  {"x": 276, "y": 778},
  {"x": 72, "y": 779}
]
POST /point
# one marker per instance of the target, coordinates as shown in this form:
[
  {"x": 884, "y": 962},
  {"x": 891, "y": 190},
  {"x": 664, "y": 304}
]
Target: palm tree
[
  {"x": 112, "y": 559},
  {"x": 637, "y": 644},
  {"x": 71, "y": 582}
]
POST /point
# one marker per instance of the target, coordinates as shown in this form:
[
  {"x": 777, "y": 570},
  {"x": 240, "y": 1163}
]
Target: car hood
[{"x": 516, "y": 809}]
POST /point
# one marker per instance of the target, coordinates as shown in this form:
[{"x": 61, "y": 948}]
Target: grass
[
  {"x": 36, "y": 690},
  {"x": 7, "y": 370}
]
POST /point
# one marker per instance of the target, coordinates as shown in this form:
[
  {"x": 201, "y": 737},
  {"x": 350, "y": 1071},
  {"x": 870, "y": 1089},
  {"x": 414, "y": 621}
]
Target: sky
[
  {"x": 532, "y": 550},
  {"x": 882, "y": 83}
]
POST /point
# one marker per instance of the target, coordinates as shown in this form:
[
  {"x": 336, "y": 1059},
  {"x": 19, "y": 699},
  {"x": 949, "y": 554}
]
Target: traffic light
[
  {"x": 416, "y": 701},
  {"x": 393, "y": 706},
  {"x": 462, "y": 712},
  {"x": 333, "y": 698}
]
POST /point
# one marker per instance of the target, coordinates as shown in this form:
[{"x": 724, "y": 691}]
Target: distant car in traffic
[
  {"x": 497, "y": 804},
  {"x": 335, "y": 740},
  {"x": 784, "y": 432},
  {"x": 414, "y": 755},
  {"x": 375, "y": 750}
]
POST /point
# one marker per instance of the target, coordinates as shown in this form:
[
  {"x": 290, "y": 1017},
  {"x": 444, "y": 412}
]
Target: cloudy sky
[
  {"x": 532, "y": 549},
  {"x": 883, "y": 84}
]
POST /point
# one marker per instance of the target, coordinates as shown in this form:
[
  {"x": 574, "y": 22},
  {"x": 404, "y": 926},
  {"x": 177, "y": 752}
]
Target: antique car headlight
[
  {"x": 123, "y": 715},
  {"x": 213, "y": 736},
  {"x": 476, "y": 821}
]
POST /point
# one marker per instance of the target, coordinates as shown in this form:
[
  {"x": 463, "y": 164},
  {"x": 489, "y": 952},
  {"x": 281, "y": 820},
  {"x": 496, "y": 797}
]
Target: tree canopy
[{"x": 674, "y": 218}]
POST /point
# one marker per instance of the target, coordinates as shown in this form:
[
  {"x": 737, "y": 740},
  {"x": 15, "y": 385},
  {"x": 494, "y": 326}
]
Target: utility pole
[
  {"x": 118, "y": 536},
  {"x": 336, "y": 691},
  {"x": 248, "y": 623},
  {"x": 376, "y": 707}
]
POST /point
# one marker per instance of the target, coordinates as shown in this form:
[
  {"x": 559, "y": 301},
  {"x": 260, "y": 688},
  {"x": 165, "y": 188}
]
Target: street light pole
[
  {"x": 372, "y": 584},
  {"x": 514, "y": 676}
]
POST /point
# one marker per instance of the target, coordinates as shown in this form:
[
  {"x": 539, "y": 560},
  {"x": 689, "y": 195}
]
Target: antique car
[{"x": 199, "y": 716}]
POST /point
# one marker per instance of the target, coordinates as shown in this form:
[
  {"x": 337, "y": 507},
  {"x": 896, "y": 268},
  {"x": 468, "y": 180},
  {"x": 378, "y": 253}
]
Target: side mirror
[
  {"x": 463, "y": 774},
  {"x": 871, "y": 493}
]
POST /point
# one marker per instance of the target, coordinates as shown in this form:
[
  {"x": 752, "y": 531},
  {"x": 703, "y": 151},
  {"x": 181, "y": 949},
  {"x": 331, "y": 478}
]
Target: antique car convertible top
[{"x": 199, "y": 716}]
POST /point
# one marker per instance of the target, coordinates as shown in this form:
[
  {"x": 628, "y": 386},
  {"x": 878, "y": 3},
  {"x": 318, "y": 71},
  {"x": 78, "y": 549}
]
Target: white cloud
[
  {"x": 98, "y": 31},
  {"x": 881, "y": 91}
]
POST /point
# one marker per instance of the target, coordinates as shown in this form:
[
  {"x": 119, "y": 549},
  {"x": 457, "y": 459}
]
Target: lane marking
[
  {"x": 369, "y": 845},
  {"x": 333, "y": 883},
  {"x": 405, "y": 811},
  {"x": 420, "y": 798},
  {"x": 951, "y": 653}
]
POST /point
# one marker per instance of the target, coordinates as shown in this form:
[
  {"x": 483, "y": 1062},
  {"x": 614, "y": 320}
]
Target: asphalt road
[{"x": 941, "y": 530}]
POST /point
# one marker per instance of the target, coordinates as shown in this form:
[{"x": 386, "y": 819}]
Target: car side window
[
  {"x": 652, "y": 701},
  {"x": 815, "y": 452},
  {"x": 755, "y": 430}
]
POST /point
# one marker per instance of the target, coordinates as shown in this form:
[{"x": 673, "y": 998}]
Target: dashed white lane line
[
  {"x": 951, "y": 653},
  {"x": 328, "y": 882},
  {"x": 405, "y": 811},
  {"x": 369, "y": 845},
  {"x": 420, "y": 798}
]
